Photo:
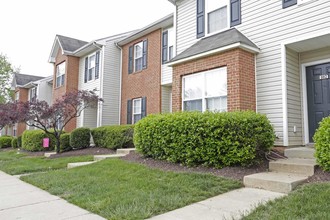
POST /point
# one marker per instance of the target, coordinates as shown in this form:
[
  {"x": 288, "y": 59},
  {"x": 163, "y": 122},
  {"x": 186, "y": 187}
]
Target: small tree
[
  {"x": 53, "y": 119},
  {"x": 8, "y": 114},
  {"x": 6, "y": 71}
]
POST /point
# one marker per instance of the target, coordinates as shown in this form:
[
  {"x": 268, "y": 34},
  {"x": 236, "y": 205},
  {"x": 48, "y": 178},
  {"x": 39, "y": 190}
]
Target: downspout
[
  {"x": 100, "y": 104},
  {"x": 120, "y": 79},
  {"x": 284, "y": 97}
]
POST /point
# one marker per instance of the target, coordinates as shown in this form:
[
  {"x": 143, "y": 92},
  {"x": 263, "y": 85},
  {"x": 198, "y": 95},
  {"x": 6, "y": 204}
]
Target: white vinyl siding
[
  {"x": 166, "y": 74},
  {"x": 315, "y": 55},
  {"x": 295, "y": 122},
  {"x": 166, "y": 99}
]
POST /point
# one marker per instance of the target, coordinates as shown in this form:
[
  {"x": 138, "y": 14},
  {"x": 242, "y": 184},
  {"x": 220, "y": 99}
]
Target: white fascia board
[{"x": 215, "y": 51}]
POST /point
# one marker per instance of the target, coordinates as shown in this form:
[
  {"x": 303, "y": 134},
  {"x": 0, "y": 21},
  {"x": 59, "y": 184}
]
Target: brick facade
[
  {"x": 146, "y": 82},
  {"x": 241, "y": 90},
  {"x": 23, "y": 97},
  {"x": 71, "y": 81}
]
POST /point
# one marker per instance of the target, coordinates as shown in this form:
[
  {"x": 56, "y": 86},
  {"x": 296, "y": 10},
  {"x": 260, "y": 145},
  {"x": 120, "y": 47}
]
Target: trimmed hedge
[
  {"x": 80, "y": 138},
  {"x": 5, "y": 141},
  {"x": 210, "y": 139},
  {"x": 14, "y": 142},
  {"x": 65, "y": 143},
  {"x": 114, "y": 136},
  {"x": 322, "y": 144},
  {"x": 32, "y": 140}
]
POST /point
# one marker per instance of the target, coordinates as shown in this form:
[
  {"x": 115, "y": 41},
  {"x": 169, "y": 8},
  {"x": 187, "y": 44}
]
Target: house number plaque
[{"x": 324, "y": 76}]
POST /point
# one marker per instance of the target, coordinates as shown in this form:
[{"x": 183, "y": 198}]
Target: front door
[{"x": 318, "y": 95}]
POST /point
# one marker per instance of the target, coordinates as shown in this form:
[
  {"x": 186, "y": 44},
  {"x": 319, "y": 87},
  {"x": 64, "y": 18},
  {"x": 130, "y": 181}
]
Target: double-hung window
[
  {"x": 60, "y": 74},
  {"x": 217, "y": 18},
  {"x": 91, "y": 67},
  {"x": 138, "y": 59},
  {"x": 33, "y": 94},
  {"x": 167, "y": 45},
  {"x": 137, "y": 110},
  {"x": 205, "y": 91}
]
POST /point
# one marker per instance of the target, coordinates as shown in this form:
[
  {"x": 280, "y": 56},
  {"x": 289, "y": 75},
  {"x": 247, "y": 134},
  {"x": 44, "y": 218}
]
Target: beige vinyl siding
[
  {"x": 89, "y": 118},
  {"x": 294, "y": 98},
  {"x": 166, "y": 99},
  {"x": 315, "y": 55},
  {"x": 86, "y": 118}
]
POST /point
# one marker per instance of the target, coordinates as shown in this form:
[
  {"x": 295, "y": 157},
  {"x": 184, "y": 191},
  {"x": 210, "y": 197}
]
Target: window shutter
[
  {"x": 288, "y": 3},
  {"x": 235, "y": 12},
  {"x": 145, "y": 54},
  {"x": 200, "y": 18},
  {"x": 144, "y": 107},
  {"x": 164, "y": 46},
  {"x": 130, "y": 60},
  {"x": 129, "y": 111},
  {"x": 86, "y": 69},
  {"x": 97, "y": 62}
]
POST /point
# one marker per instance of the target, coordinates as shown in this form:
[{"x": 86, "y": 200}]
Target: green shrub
[
  {"x": 210, "y": 139},
  {"x": 65, "y": 143},
  {"x": 5, "y": 141},
  {"x": 113, "y": 137},
  {"x": 322, "y": 144},
  {"x": 14, "y": 142},
  {"x": 32, "y": 140},
  {"x": 19, "y": 141},
  {"x": 80, "y": 138}
]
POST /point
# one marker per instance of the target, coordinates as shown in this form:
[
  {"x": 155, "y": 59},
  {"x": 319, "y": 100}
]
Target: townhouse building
[{"x": 268, "y": 56}]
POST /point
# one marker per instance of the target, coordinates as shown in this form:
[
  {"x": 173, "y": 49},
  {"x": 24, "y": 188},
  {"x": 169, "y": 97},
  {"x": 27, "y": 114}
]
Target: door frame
[{"x": 304, "y": 95}]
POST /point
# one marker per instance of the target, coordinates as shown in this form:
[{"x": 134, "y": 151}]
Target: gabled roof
[
  {"x": 23, "y": 79},
  {"x": 161, "y": 23},
  {"x": 226, "y": 40}
]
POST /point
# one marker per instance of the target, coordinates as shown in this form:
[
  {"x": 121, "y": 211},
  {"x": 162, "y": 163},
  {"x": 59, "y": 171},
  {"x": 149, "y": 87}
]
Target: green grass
[
  {"x": 13, "y": 163},
  {"x": 308, "y": 202},
  {"x": 116, "y": 189}
]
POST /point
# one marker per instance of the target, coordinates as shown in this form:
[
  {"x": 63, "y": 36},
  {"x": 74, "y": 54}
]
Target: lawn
[
  {"x": 308, "y": 202},
  {"x": 13, "y": 163},
  {"x": 116, "y": 189}
]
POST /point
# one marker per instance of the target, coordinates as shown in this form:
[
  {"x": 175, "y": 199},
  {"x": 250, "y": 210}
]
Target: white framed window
[
  {"x": 60, "y": 74},
  {"x": 217, "y": 15},
  {"x": 138, "y": 56},
  {"x": 137, "y": 110},
  {"x": 205, "y": 91},
  {"x": 91, "y": 67},
  {"x": 33, "y": 94}
]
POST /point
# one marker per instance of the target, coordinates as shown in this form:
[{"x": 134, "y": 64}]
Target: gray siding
[
  {"x": 294, "y": 98},
  {"x": 166, "y": 99},
  {"x": 315, "y": 55},
  {"x": 90, "y": 115}
]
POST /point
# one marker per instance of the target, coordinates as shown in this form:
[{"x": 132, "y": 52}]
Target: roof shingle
[
  {"x": 70, "y": 44},
  {"x": 22, "y": 79}
]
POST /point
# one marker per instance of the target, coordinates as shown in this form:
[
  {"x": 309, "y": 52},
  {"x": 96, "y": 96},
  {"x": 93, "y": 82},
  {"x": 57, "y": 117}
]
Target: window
[
  {"x": 60, "y": 74},
  {"x": 167, "y": 45},
  {"x": 33, "y": 94},
  {"x": 217, "y": 15},
  {"x": 205, "y": 91},
  {"x": 91, "y": 67},
  {"x": 138, "y": 52},
  {"x": 137, "y": 110}
]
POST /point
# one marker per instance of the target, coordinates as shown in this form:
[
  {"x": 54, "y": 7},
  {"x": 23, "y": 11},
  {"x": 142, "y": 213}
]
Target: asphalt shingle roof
[
  {"x": 22, "y": 79},
  {"x": 213, "y": 42},
  {"x": 70, "y": 44}
]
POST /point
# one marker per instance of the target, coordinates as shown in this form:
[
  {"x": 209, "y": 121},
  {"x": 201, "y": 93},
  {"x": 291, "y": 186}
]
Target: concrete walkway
[
  {"x": 231, "y": 205},
  {"x": 19, "y": 200}
]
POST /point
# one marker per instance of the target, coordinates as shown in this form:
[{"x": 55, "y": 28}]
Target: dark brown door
[{"x": 318, "y": 95}]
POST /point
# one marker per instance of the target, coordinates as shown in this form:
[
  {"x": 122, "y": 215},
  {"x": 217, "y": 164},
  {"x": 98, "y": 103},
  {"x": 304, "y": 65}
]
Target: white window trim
[
  {"x": 135, "y": 58},
  {"x": 204, "y": 97},
  {"x": 93, "y": 75},
  {"x": 133, "y": 105},
  {"x": 57, "y": 75},
  {"x": 206, "y": 19}
]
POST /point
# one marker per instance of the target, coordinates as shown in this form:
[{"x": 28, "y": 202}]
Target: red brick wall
[
  {"x": 240, "y": 78},
  {"x": 23, "y": 97},
  {"x": 71, "y": 81},
  {"x": 146, "y": 82}
]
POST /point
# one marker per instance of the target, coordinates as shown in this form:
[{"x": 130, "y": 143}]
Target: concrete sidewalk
[
  {"x": 231, "y": 205},
  {"x": 19, "y": 200}
]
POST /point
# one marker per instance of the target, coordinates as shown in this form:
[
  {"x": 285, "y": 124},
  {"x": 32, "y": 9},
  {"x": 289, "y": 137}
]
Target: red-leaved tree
[
  {"x": 53, "y": 119},
  {"x": 8, "y": 114}
]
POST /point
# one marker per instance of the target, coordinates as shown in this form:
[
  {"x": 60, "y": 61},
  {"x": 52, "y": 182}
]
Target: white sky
[{"x": 28, "y": 28}]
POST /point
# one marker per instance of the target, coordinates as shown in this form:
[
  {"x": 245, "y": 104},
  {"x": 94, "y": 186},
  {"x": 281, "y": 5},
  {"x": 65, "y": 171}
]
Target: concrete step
[
  {"x": 79, "y": 164},
  {"x": 103, "y": 157},
  {"x": 125, "y": 150},
  {"x": 49, "y": 154},
  {"x": 274, "y": 181},
  {"x": 294, "y": 165},
  {"x": 300, "y": 152}
]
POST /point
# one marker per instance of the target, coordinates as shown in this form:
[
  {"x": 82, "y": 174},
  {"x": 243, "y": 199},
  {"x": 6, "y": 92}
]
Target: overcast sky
[{"x": 28, "y": 28}]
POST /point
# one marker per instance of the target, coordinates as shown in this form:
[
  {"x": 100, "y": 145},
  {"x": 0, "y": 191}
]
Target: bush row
[
  {"x": 210, "y": 139},
  {"x": 32, "y": 140},
  {"x": 5, "y": 141},
  {"x": 322, "y": 144}
]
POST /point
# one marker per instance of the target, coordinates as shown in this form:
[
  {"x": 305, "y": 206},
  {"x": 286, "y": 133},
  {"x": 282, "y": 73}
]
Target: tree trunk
[{"x": 58, "y": 143}]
